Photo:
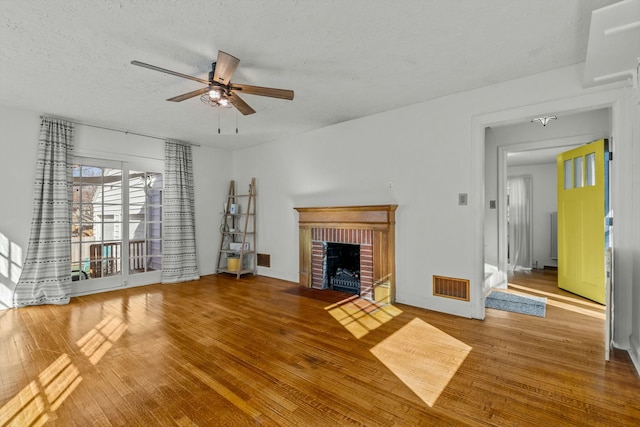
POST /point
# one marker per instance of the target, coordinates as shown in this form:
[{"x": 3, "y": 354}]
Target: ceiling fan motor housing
[{"x": 212, "y": 72}]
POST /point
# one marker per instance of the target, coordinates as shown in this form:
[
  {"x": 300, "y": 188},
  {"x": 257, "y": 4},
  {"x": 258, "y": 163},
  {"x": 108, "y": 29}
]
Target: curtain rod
[{"x": 126, "y": 132}]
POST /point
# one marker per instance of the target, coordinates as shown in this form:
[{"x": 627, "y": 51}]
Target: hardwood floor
[
  {"x": 260, "y": 351},
  {"x": 544, "y": 283}
]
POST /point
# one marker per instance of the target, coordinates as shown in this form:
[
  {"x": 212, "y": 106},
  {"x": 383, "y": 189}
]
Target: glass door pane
[
  {"x": 591, "y": 170},
  {"x": 577, "y": 172},
  {"x": 96, "y": 228},
  {"x": 145, "y": 221},
  {"x": 568, "y": 183}
]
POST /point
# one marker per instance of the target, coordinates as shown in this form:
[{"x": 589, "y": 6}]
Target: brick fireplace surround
[{"x": 371, "y": 227}]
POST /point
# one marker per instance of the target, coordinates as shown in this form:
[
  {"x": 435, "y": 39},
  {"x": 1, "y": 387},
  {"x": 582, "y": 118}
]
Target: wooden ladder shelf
[{"x": 238, "y": 252}]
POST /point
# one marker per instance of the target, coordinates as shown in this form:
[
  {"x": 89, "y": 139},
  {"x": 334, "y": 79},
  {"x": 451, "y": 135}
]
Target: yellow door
[{"x": 581, "y": 225}]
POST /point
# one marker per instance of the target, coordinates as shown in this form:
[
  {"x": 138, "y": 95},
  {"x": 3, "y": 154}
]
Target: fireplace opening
[{"x": 342, "y": 267}]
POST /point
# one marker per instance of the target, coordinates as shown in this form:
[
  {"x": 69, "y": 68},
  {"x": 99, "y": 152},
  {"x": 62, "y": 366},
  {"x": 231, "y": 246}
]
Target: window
[
  {"x": 568, "y": 183},
  {"x": 591, "y": 170},
  {"x": 577, "y": 172},
  {"x": 116, "y": 221}
]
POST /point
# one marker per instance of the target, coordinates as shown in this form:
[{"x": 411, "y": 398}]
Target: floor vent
[{"x": 450, "y": 287}]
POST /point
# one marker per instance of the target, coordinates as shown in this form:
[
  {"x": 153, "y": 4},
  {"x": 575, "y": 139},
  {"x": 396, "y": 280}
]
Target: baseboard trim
[{"x": 634, "y": 353}]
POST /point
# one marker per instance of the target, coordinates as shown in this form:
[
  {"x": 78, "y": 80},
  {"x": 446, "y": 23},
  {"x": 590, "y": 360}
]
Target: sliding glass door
[{"x": 116, "y": 226}]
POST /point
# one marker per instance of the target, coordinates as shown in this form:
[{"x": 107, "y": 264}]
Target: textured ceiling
[{"x": 343, "y": 59}]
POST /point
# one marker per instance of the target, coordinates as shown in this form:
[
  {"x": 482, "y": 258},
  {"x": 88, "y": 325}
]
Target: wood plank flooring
[{"x": 260, "y": 351}]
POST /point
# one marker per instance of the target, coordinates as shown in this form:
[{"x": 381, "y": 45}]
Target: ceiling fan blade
[
  {"x": 225, "y": 67},
  {"x": 173, "y": 73},
  {"x": 188, "y": 95},
  {"x": 262, "y": 91},
  {"x": 242, "y": 106}
]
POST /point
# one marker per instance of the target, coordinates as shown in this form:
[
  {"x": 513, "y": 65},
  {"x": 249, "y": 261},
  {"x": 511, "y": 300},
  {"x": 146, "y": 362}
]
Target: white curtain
[
  {"x": 179, "y": 260},
  {"x": 46, "y": 276},
  {"x": 519, "y": 219}
]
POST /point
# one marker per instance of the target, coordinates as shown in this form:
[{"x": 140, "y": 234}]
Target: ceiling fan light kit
[
  {"x": 216, "y": 97},
  {"x": 220, "y": 92}
]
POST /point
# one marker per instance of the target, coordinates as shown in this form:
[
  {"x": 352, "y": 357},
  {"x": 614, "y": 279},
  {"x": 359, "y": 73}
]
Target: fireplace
[
  {"x": 362, "y": 237},
  {"x": 345, "y": 242},
  {"x": 341, "y": 272}
]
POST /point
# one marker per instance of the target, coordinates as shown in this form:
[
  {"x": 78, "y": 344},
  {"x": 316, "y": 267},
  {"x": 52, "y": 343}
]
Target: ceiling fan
[{"x": 219, "y": 90}]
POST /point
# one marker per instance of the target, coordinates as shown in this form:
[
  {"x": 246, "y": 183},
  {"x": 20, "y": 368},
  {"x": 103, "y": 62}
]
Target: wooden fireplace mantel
[
  {"x": 376, "y": 216},
  {"x": 379, "y": 218}
]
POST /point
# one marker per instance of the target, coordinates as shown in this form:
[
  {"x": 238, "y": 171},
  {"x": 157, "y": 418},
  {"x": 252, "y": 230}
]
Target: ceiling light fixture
[
  {"x": 544, "y": 120},
  {"x": 216, "y": 97}
]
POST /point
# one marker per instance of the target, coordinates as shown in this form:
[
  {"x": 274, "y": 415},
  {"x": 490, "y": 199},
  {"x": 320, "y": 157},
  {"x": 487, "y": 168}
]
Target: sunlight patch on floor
[
  {"x": 591, "y": 309},
  {"x": 360, "y": 316},
  {"x": 423, "y": 357},
  {"x": 562, "y": 297},
  {"x": 95, "y": 343},
  {"x": 35, "y": 404},
  {"x": 580, "y": 310}
]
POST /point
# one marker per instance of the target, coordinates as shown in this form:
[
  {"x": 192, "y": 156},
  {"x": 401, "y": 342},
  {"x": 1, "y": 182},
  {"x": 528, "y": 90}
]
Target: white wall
[
  {"x": 428, "y": 151},
  {"x": 19, "y": 132},
  {"x": 18, "y": 149},
  {"x": 211, "y": 175},
  {"x": 544, "y": 200}
]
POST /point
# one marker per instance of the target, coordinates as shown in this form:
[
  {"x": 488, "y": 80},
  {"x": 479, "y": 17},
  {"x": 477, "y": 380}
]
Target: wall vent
[
  {"x": 264, "y": 260},
  {"x": 450, "y": 287}
]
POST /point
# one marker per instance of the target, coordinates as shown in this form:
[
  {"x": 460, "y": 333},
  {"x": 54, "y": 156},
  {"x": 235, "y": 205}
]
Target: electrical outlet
[
  {"x": 390, "y": 185},
  {"x": 492, "y": 204}
]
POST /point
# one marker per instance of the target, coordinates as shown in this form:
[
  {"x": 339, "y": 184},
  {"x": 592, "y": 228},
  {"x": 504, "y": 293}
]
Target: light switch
[{"x": 462, "y": 199}]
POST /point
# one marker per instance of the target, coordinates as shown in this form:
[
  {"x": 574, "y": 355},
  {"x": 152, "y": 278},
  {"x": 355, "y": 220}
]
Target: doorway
[{"x": 519, "y": 142}]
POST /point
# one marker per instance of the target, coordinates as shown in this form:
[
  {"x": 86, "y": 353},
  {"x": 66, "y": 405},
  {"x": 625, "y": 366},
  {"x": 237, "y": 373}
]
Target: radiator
[{"x": 554, "y": 236}]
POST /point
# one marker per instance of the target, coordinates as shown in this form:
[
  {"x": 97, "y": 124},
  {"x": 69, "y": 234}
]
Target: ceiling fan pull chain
[
  {"x": 218, "y": 120},
  {"x": 236, "y": 122}
]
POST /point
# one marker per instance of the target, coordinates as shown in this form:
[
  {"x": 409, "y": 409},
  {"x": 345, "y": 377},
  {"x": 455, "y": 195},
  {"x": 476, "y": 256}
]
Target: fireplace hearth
[{"x": 368, "y": 229}]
